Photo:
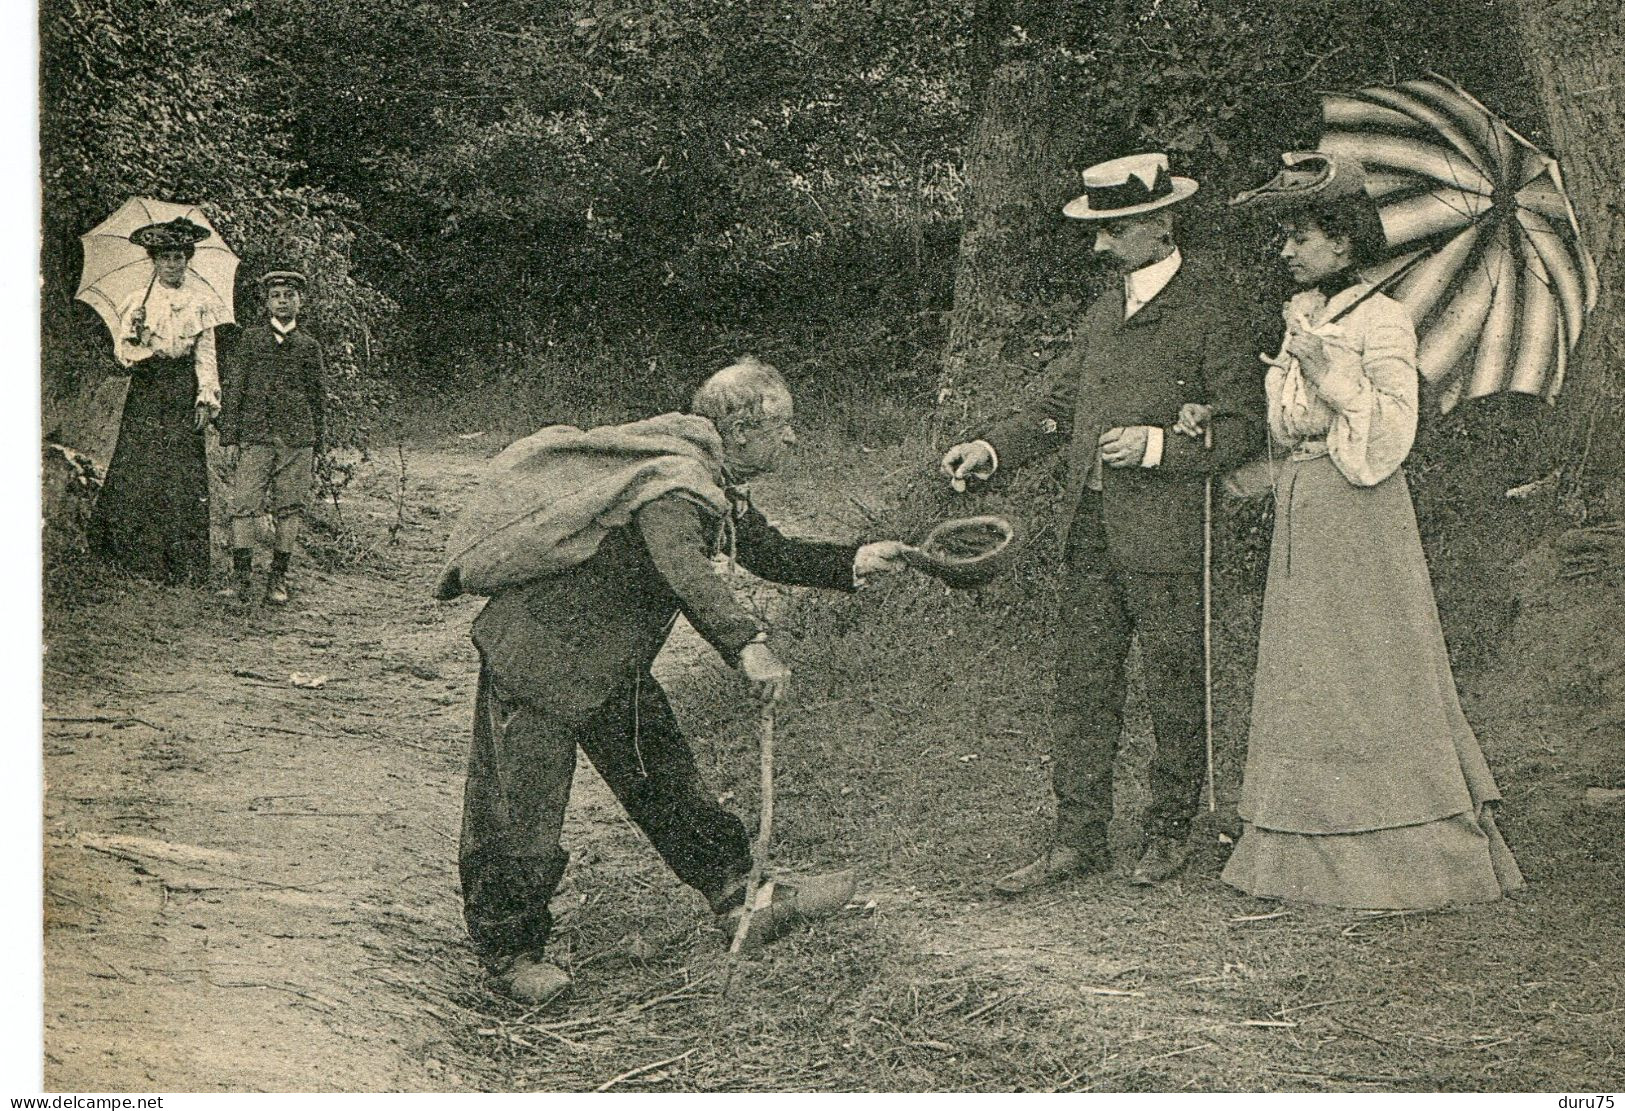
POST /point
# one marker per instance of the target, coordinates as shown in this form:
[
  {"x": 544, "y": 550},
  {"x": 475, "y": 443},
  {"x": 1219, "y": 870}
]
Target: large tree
[{"x": 1577, "y": 60}]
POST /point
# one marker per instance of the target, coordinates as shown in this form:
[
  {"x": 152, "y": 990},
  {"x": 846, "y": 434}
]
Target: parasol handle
[
  {"x": 138, "y": 318},
  {"x": 1386, "y": 284}
]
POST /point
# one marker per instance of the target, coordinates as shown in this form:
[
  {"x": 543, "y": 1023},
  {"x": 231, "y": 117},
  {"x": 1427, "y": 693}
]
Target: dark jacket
[
  {"x": 1189, "y": 344},
  {"x": 270, "y": 389},
  {"x": 566, "y": 643}
]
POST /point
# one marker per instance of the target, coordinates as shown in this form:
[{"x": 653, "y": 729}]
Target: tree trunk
[
  {"x": 1021, "y": 162},
  {"x": 1574, "y": 53}
]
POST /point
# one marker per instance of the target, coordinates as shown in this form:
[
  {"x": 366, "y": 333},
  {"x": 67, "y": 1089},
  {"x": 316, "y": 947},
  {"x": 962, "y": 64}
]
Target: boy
[{"x": 271, "y": 424}]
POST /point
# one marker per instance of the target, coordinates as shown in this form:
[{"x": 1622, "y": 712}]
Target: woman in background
[
  {"x": 152, "y": 515},
  {"x": 1364, "y": 784}
]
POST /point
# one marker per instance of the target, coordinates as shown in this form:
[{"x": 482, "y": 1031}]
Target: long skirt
[
  {"x": 152, "y": 514},
  {"x": 1364, "y": 785}
]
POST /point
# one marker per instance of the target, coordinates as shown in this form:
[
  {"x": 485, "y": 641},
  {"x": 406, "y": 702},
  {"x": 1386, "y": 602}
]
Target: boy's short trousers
[{"x": 271, "y": 477}]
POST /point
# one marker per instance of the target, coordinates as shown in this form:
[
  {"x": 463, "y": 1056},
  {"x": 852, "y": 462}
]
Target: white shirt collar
[
  {"x": 1148, "y": 281},
  {"x": 282, "y": 328}
]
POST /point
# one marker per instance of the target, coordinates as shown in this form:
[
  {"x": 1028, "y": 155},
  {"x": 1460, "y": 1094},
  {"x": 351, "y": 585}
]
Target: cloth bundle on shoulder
[{"x": 547, "y": 501}]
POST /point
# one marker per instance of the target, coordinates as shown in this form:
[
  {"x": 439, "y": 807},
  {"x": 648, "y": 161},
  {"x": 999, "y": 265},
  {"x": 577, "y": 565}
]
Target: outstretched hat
[
  {"x": 282, "y": 277},
  {"x": 1310, "y": 177},
  {"x": 966, "y": 552},
  {"x": 177, "y": 233},
  {"x": 1130, "y": 186}
]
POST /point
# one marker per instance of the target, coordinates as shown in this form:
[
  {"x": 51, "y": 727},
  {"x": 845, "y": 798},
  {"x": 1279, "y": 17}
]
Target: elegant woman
[
  {"x": 152, "y": 515},
  {"x": 1364, "y": 784}
]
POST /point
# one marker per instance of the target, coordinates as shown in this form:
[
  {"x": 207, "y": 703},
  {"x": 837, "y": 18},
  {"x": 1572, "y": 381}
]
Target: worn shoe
[
  {"x": 1164, "y": 856},
  {"x": 276, "y": 590},
  {"x": 1059, "y": 862},
  {"x": 782, "y": 905},
  {"x": 533, "y": 980}
]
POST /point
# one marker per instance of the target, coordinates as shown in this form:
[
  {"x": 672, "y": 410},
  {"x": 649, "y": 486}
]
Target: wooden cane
[
  {"x": 764, "y": 834},
  {"x": 1207, "y": 622}
]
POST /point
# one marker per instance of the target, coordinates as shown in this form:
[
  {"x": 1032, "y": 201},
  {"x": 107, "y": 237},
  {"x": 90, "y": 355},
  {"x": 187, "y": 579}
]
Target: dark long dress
[{"x": 152, "y": 515}]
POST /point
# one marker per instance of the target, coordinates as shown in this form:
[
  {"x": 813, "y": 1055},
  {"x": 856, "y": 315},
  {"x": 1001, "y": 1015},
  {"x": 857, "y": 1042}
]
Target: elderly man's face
[{"x": 761, "y": 446}]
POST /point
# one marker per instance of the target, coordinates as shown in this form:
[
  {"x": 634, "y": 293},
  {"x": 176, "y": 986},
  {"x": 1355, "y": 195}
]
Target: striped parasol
[{"x": 1483, "y": 244}]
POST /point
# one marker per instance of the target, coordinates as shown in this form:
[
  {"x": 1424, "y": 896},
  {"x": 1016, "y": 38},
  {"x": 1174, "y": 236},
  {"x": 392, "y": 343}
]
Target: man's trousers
[
  {"x": 1102, "y": 607},
  {"x": 519, "y": 773}
]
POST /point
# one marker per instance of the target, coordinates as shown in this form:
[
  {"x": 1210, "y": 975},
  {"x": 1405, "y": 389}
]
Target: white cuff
[{"x": 1153, "y": 447}]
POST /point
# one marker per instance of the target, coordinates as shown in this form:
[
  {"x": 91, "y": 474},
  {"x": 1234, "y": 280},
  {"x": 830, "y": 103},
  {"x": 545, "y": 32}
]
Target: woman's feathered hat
[
  {"x": 1310, "y": 177},
  {"x": 179, "y": 232}
]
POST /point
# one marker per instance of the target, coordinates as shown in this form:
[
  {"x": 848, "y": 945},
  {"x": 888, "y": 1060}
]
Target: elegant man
[
  {"x": 586, "y": 580},
  {"x": 1164, "y": 335}
]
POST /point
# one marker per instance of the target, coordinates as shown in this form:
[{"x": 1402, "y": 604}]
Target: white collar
[
  {"x": 1148, "y": 281},
  {"x": 284, "y": 329}
]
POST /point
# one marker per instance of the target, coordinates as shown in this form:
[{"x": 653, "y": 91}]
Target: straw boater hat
[
  {"x": 1130, "y": 186},
  {"x": 179, "y": 232}
]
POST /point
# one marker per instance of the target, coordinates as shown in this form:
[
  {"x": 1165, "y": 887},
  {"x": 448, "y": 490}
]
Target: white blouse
[
  {"x": 179, "y": 322},
  {"x": 1366, "y": 405}
]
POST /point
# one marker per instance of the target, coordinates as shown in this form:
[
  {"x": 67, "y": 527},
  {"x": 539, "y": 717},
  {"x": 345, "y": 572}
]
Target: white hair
[{"x": 735, "y": 395}]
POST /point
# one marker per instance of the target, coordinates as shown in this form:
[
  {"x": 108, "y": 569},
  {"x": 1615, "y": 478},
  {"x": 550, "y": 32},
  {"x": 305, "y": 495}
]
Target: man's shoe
[
  {"x": 1059, "y": 862},
  {"x": 533, "y": 980},
  {"x": 1164, "y": 856},
  {"x": 782, "y": 905},
  {"x": 276, "y": 590}
]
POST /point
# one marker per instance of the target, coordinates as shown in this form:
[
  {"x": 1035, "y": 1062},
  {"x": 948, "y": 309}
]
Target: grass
[{"x": 914, "y": 748}]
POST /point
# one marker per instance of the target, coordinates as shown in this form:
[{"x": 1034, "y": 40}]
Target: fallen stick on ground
[
  {"x": 101, "y": 719},
  {"x": 321, "y": 813},
  {"x": 271, "y": 728},
  {"x": 622, "y": 1015},
  {"x": 316, "y": 999},
  {"x": 640, "y": 1070},
  {"x": 1311, "y": 1006},
  {"x": 986, "y": 1007}
]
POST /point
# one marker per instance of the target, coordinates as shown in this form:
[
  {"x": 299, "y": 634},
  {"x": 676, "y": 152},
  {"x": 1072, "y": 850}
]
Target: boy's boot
[
  {"x": 242, "y": 567},
  {"x": 276, "y": 587}
]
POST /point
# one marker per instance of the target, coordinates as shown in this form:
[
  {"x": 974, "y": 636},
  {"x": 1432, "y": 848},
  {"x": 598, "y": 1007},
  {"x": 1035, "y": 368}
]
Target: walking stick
[
  {"x": 758, "y": 852},
  {"x": 1207, "y": 622}
]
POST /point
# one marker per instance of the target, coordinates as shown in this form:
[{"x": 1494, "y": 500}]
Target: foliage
[
  {"x": 670, "y": 183},
  {"x": 161, "y": 99},
  {"x": 607, "y": 166}
]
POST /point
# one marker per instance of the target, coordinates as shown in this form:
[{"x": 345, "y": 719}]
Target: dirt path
[
  {"x": 250, "y": 885},
  {"x": 251, "y": 822}
]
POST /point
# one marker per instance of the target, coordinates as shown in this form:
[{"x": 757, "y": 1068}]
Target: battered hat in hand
[{"x": 966, "y": 552}]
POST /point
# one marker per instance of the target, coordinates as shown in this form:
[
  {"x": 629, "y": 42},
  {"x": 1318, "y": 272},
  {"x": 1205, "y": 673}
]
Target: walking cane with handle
[{"x": 1207, "y": 621}]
